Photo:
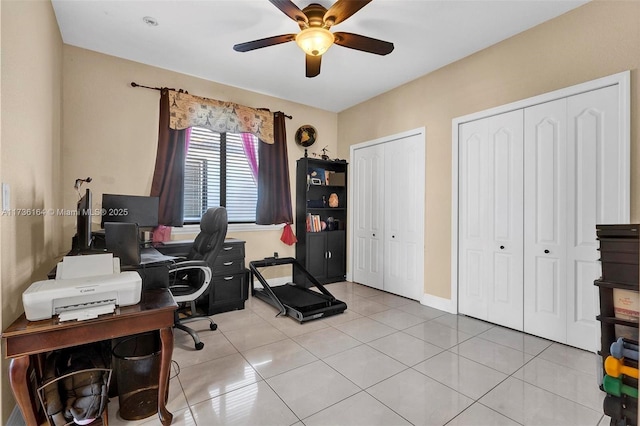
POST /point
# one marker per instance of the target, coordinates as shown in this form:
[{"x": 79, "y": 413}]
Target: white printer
[{"x": 85, "y": 287}]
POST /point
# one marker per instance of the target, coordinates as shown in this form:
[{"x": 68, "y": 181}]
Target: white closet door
[
  {"x": 473, "y": 233},
  {"x": 545, "y": 219},
  {"x": 404, "y": 216},
  {"x": 505, "y": 220},
  {"x": 575, "y": 166},
  {"x": 491, "y": 199},
  {"x": 593, "y": 154},
  {"x": 368, "y": 199}
]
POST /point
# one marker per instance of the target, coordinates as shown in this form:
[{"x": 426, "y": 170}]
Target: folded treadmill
[{"x": 295, "y": 300}]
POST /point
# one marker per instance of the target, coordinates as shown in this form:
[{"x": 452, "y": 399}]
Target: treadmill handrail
[
  {"x": 273, "y": 261},
  {"x": 266, "y": 287}
]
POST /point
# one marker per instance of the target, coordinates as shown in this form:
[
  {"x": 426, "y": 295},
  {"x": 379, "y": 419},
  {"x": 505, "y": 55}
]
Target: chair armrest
[
  {"x": 191, "y": 265},
  {"x": 188, "y": 264}
]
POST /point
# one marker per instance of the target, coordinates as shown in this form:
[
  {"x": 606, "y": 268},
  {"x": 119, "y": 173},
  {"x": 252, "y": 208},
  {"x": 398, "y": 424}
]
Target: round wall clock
[{"x": 306, "y": 135}]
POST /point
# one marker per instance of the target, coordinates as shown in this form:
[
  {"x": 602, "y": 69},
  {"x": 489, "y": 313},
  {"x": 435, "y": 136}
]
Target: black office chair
[{"x": 189, "y": 279}]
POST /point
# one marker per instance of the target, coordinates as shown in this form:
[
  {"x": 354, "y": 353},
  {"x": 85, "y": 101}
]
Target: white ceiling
[{"x": 196, "y": 38}]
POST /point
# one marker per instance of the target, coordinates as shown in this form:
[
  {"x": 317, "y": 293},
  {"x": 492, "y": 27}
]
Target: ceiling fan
[{"x": 315, "y": 38}]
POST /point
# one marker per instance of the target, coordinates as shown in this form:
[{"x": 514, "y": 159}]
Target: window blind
[{"x": 217, "y": 174}]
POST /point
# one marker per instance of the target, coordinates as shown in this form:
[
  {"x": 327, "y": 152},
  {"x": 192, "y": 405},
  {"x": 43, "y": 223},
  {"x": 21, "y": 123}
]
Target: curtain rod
[{"x": 134, "y": 84}]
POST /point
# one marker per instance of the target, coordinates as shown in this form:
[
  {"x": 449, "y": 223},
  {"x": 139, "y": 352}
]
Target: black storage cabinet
[
  {"x": 229, "y": 287},
  {"x": 321, "y": 252}
]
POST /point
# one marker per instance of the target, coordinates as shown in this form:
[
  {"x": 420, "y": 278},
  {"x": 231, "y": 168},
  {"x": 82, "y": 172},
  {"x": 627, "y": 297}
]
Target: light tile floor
[{"x": 385, "y": 361}]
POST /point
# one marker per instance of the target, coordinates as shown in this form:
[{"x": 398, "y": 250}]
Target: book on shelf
[{"x": 313, "y": 223}]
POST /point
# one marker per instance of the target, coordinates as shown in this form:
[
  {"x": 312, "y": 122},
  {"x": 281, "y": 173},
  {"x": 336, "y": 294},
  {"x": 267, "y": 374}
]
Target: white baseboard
[{"x": 441, "y": 303}]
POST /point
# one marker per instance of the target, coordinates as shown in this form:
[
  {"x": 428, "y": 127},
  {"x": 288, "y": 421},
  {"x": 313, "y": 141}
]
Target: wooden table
[{"x": 24, "y": 339}]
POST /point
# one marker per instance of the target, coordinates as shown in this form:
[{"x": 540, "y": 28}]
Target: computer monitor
[
  {"x": 130, "y": 208},
  {"x": 83, "y": 221}
]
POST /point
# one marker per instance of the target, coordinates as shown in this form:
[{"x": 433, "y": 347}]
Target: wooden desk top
[{"x": 155, "y": 310}]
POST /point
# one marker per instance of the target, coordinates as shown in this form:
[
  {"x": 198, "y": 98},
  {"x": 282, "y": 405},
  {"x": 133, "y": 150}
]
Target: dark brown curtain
[
  {"x": 274, "y": 190},
  {"x": 168, "y": 177}
]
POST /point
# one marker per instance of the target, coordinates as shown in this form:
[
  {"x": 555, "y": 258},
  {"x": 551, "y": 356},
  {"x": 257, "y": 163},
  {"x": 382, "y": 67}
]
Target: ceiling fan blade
[
  {"x": 365, "y": 44},
  {"x": 342, "y": 9},
  {"x": 313, "y": 65},
  {"x": 264, "y": 42},
  {"x": 291, "y": 10}
]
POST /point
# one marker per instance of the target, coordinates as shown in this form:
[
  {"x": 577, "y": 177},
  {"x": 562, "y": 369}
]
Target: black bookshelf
[{"x": 321, "y": 218}]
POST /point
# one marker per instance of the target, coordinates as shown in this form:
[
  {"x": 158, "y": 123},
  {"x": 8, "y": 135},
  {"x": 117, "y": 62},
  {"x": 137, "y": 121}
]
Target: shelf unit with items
[
  {"x": 619, "y": 311},
  {"x": 321, "y": 216}
]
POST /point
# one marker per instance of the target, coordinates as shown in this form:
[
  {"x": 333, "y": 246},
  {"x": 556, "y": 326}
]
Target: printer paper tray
[{"x": 86, "y": 313}]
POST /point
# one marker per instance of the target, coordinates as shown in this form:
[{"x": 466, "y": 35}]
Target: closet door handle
[
  {"x": 228, "y": 263},
  {"x": 501, "y": 247},
  {"x": 374, "y": 235},
  {"x": 546, "y": 251}
]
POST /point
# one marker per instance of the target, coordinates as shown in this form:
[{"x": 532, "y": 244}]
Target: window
[{"x": 218, "y": 173}]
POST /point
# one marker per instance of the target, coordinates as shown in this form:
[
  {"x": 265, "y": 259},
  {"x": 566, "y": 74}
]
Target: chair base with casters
[
  {"x": 194, "y": 316},
  {"x": 185, "y": 295}
]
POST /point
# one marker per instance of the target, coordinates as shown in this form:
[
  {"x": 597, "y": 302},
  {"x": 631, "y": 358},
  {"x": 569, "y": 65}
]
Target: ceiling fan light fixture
[{"x": 315, "y": 41}]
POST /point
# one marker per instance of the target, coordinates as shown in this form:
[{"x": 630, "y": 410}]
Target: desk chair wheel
[
  {"x": 199, "y": 346},
  {"x": 213, "y": 327}
]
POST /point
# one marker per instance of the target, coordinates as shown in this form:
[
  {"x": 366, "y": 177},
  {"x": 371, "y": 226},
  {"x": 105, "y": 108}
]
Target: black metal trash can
[{"x": 136, "y": 361}]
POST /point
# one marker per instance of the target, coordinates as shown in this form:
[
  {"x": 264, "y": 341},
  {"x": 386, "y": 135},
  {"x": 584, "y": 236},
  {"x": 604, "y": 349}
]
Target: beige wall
[
  {"x": 595, "y": 40},
  {"x": 31, "y": 75},
  {"x": 111, "y": 129}
]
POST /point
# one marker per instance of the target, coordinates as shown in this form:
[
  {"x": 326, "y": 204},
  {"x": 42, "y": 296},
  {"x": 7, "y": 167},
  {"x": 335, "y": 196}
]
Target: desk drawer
[
  {"x": 228, "y": 293},
  {"x": 224, "y": 266},
  {"x": 229, "y": 289},
  {"x": 232, "y": 249}
]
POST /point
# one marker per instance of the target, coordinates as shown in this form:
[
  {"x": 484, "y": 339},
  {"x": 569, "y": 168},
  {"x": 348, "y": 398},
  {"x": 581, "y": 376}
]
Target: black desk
[
  {"x": 153, "y": 276},
  {"x": 174, "y": 247},
  {"x": 229, "y": 288}
]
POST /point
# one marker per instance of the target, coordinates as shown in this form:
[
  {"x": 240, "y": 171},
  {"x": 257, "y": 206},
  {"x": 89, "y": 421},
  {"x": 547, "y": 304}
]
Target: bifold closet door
[
  {"x": 404, "y": 197},
  {"x": 490, "y": 219},
  {"x": 368, "y": 204},
  {"x": 566, "y": 172},
  {"x": 388, "y": 215},
  {"x": 594, "y": 171},
  {"x": 545, "y": 218},
  {"x": 573, "y": 181}
]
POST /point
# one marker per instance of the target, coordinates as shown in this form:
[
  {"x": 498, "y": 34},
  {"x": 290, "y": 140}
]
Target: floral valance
[{"x": 189, "y": 111}]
